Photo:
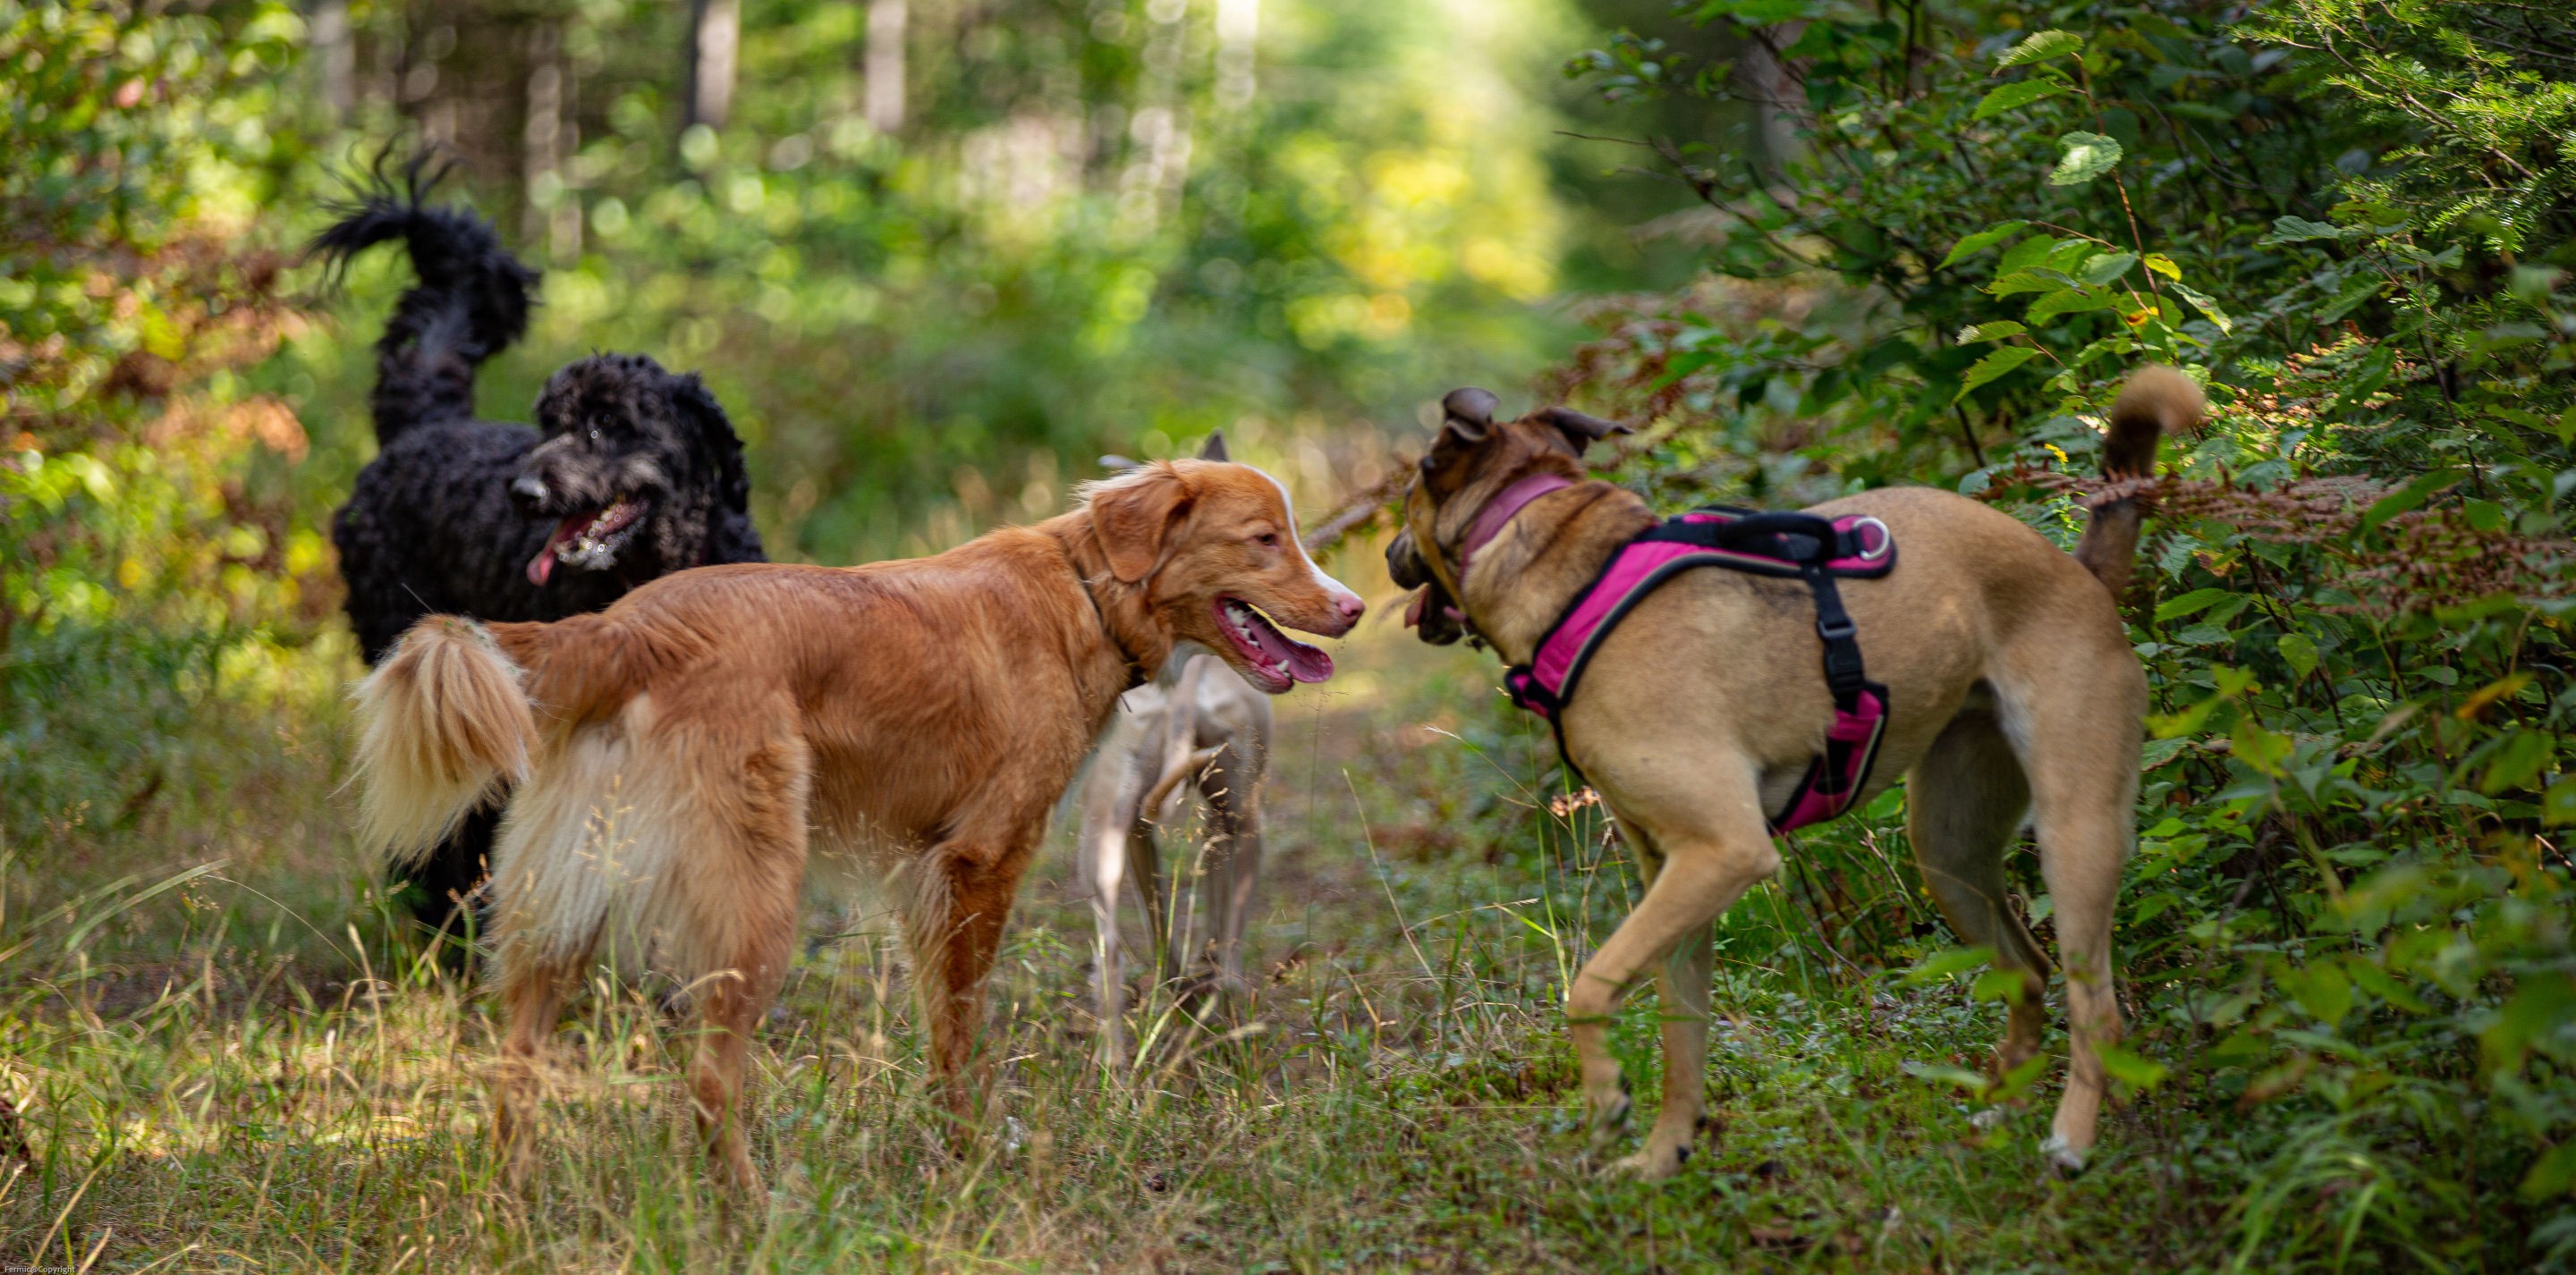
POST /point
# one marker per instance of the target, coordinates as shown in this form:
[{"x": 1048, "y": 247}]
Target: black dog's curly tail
[{"x": 470, "y": 304}]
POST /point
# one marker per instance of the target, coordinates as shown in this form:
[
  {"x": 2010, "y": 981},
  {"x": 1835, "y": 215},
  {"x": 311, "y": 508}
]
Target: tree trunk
[
  {"x": 715, "y": 30},
  {"x": 335, "y": 50},
  {"x": 884, "y": 74},
  {"x": 1776, "y": 90},
  {"x": 545, "y": 143}
]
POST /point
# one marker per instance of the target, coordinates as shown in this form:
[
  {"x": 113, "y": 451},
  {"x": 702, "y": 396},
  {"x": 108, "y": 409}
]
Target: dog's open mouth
[
  {"x": 1281, "y": 661},
  {"x": 589, "y": 541}
]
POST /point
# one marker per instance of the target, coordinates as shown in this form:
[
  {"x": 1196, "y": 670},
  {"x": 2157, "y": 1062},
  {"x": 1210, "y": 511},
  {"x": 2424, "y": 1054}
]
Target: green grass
[{"x": 249, "y": 1068}]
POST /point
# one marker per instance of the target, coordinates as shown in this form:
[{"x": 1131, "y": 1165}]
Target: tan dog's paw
[
  {"x": 2064, "y": 1159},
  {"x": 1654, "y": 1164},
  {"x": 1608, "y": 1118}
]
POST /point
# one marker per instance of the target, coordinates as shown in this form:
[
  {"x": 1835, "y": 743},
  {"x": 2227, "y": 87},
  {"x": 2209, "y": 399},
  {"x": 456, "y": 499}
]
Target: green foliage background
[{"x": 2348, "y": 912}]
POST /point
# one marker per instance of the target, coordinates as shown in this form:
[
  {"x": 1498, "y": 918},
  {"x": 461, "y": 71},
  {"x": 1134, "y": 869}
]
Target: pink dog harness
[{"x": 1770, "y": 544}]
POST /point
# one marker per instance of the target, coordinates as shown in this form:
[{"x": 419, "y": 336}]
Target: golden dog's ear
[
  {"x": 1134, "y": 518},
  {"x": 1579, "y": 430}
]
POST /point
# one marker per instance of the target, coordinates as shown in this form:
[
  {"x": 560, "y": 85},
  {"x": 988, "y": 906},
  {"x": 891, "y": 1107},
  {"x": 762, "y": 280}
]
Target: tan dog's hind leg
[
  {"x": 1965, "y": 800},
  {"x": 1703, "y": 873},
  {"x": 2080, "y": 749}
]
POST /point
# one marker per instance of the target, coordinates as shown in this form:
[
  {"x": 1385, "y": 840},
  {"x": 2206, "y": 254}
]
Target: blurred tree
[{"x": 920, "y": 243}]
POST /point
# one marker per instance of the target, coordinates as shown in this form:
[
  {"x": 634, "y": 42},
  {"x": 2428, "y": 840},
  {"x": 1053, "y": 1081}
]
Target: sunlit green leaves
[
  {"x": 2299, "y": 651},
  {"x": 2301, "y": 230},
  {"x": 2517, "y": 760},
  {"x": 2026, "y": 281},
  {"x": 2087, "y": 156},
  {"x": 2406, "y": 498},
  {"x": 1753, "y": 13},
  {"x": 2040, "y": 47},
  {"x": 2542, "y": 1007},
  {"x": 2068, "y": 301},
  {"x": 2553, "y": 1174},
  {"x": 1949, "y": 964},
  {"x": 2006, "y": 986},
  {"x": 1993, "y": 366},
  {"x": 2321, "y": 989},
  {"x": 2208, "y": 307},
  {"x": 2192, "y": 603},
  {"x": 2132, "y": 1069},
  {"x": 2558, "y": 804},
  {"x": 1983, "y": 240},
  {"x": 2028, "y": 253},
  {"x": 2016, "y": 95},
  {"x": 2107, "y": 268},
  {"x": 2260, "y": 749}
]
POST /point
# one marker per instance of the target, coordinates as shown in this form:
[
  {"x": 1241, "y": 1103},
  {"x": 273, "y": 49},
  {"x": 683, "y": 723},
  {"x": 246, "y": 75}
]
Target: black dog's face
[{"x": 633, "y": 462}]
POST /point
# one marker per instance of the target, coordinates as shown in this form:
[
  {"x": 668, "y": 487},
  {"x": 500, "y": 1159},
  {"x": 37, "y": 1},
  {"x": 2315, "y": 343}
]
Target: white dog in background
[
  {"x": 1198, "y": 727},
  {"x": 1209, "y": 731}
]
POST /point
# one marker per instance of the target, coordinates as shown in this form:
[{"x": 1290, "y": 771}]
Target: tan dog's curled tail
[
  {"x": 443, "y": 724},
  {"x": 2156, "y": 401}
]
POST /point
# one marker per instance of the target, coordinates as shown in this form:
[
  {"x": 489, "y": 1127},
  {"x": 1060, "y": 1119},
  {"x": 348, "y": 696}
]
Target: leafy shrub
[
  {"x": 151, "y": 575},
  {"x": 2349, "y": 909}
]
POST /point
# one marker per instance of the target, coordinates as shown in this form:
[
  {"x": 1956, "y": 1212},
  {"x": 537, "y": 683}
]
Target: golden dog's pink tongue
[
  {"x": 1290, "y": 656},
  {"x": 1276, "y": 652}
]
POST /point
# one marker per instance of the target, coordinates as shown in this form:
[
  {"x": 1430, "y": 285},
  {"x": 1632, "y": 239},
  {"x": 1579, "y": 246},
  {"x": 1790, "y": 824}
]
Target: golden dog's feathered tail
[
  {"x": 443, "y": 725},
  {"x": 2155, "y": 402}
]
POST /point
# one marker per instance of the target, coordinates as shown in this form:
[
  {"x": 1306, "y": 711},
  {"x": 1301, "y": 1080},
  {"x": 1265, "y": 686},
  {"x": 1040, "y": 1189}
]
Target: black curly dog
[{"x": 636, "y": 472}]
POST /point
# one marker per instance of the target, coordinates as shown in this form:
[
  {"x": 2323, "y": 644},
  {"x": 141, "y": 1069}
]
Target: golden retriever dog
[
  {"x": 2008, "y": 688},
  {"x": 676, "y": 756}
]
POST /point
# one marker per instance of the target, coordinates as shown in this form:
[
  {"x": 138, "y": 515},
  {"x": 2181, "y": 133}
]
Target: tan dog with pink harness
[{"x": 1692, "y": 701}]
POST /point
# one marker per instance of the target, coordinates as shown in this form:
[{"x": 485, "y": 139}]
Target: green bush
[{"x": 2348, "y": 912}]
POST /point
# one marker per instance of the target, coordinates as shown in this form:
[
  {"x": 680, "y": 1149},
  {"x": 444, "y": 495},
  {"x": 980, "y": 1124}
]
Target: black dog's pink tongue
[
  {"x": 1413, "y": 609},
  {"x": 542, "y": 567}
]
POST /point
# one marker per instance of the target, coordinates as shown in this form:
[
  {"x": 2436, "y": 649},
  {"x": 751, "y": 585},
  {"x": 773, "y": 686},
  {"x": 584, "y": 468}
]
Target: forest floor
[{"x": 248, "y": 1069}]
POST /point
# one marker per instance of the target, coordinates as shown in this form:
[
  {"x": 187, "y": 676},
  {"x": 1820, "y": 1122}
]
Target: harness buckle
[{"x": 1836, "y": 629}]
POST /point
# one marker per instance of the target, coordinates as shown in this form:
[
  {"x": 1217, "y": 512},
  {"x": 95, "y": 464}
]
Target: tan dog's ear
[
  {"x": 1467, "y": 414},
  {"x": 1214, "y": 447},
  {"x": 1579, "y": 430},
  {"x": 1134, "y": 521}
]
